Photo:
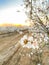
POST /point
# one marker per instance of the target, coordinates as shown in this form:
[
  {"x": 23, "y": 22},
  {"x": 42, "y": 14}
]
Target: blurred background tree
[{"x": 37, "y": 10}]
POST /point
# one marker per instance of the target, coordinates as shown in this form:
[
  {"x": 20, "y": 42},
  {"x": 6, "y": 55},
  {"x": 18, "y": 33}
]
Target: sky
[
  {"x": 10, "y": 2},
  {"x": 9, "y": 13}
]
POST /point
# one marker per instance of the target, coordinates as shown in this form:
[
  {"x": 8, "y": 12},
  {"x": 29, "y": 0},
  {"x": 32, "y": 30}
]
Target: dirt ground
[{"x": 12, "y": 53}]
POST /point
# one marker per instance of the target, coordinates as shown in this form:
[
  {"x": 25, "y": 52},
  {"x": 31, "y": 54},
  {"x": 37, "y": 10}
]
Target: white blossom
[
  {"x": 30, "y": 38},
  {"x": 38, "y": 64}
]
